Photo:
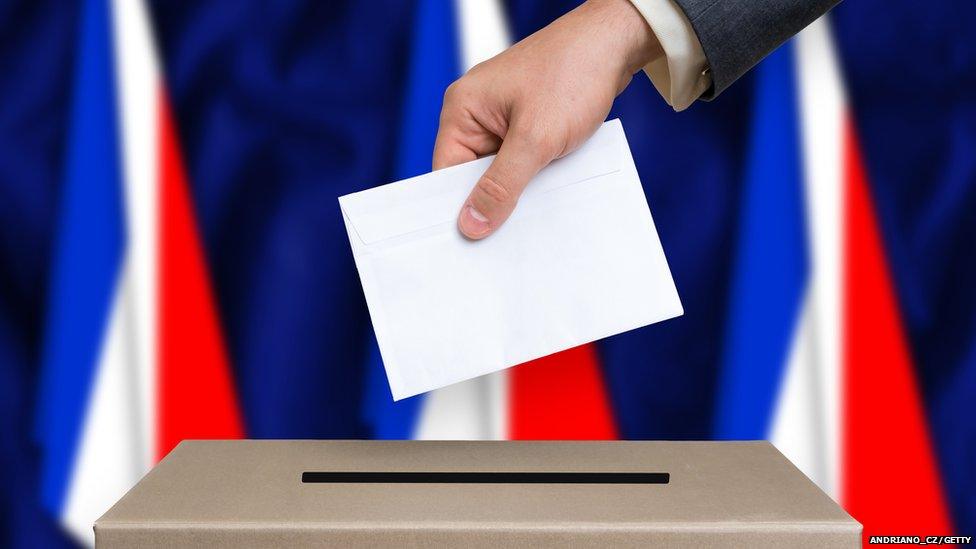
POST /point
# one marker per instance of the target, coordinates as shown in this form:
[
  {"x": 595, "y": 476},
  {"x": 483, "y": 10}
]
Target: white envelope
[{"x": 577, "y": 261}]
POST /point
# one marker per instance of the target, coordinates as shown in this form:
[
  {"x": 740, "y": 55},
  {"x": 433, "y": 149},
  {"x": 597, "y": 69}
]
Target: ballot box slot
[{"x": 431, "y": 477}]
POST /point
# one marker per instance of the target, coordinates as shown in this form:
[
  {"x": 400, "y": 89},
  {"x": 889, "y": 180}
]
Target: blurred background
[{"x": 173, "y": 262}]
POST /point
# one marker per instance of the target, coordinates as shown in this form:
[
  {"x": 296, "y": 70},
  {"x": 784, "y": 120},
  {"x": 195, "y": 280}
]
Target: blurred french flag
[
  {"x": 133, "y": 360},
  {"x": 815, "y": 357}
]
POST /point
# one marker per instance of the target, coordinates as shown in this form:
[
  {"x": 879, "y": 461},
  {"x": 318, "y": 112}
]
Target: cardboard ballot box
[{"x": 404, "y": 493}]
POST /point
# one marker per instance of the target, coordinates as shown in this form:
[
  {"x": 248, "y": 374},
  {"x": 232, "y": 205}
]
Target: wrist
[{"x": 632, "y": 39}]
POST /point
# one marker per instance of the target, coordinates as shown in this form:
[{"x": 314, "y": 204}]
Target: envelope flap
[{"x": 433, "y": 199}]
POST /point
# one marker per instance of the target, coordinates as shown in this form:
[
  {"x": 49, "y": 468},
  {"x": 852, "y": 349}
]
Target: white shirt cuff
[{"x": 681, "y": 75}]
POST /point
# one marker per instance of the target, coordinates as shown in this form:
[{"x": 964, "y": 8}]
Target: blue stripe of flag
[
  {"x": 87, "y": 256},
  {"x": 434, "y": 64},
  {"x": 770, "y": 267}
]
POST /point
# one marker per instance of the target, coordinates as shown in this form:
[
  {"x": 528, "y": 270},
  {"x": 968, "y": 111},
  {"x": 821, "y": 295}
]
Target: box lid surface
[{"x": 729, "y": 485}]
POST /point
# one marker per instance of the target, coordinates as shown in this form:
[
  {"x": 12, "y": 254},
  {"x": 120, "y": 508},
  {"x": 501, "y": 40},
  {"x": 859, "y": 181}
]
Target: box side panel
[
  {"x": 271, "y": 536},
  {"x": 259, "y": 482}
]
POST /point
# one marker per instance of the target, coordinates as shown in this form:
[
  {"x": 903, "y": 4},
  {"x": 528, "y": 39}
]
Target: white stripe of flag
[
  {"x": 806, "y": 425},
  {"x": 117, "y": 442},
  {"x": 477, "y": 408}
]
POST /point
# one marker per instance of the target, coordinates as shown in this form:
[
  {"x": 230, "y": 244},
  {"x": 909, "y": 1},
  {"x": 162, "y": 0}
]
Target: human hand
[{"x": 538, "y": 101}]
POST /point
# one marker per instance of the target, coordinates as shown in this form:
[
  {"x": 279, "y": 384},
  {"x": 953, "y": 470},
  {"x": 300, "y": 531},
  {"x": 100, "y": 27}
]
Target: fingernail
[{"x": 473, "y": 223}]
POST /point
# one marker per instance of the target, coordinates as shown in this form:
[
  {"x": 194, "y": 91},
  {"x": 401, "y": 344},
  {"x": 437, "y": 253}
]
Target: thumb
[{"x": 494, "y": 196}]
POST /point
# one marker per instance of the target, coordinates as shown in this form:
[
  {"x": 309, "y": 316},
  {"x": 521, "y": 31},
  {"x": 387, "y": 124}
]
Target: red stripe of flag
[
  {"x": 196, "y": 397},
  {"x": 890, "y": 481},
  {"x": 560, "y": 397}
]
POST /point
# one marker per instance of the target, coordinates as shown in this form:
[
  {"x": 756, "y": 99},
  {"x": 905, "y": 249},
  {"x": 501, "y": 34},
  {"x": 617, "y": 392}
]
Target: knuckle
[
  {"x": 457, "y": 91},
  {"x": 537, "y": 142},
  {"x": 452, "y": 92},
  {"x": 478, "y": 67},
  {"x": 491, "y": 189},
  {"x": 533, "y": 136}
]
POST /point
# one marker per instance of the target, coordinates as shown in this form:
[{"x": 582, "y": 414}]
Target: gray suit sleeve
[{"x": 737, "y": 34}]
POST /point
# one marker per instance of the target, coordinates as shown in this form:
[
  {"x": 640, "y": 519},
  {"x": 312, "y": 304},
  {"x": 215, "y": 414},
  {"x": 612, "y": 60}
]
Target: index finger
[{"x": 449, "y": 150}]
